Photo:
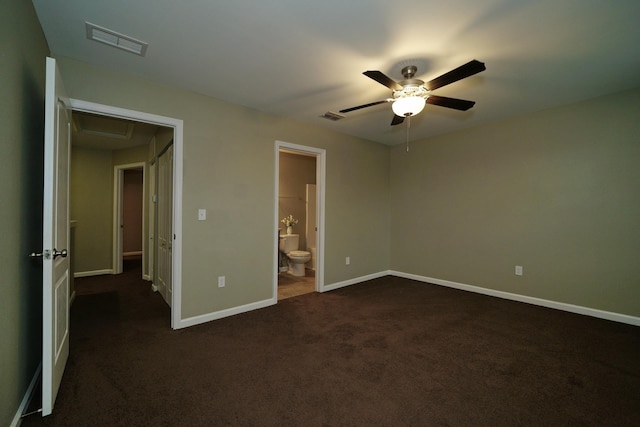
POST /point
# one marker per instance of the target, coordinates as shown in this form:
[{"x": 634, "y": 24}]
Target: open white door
[
  {"x": 165, "y": 225},
  {"x": 55, "y": 241}
]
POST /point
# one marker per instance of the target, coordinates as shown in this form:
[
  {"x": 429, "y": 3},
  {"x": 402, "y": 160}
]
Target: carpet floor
[{"x": 386, "y": 352}]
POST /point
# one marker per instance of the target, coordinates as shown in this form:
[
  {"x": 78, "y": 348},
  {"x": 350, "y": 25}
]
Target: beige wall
[
  {"x": 22, "y": 77},
  {"x": 229, "y": 167},
  {"x": 555, "y": 192},
  {"x": 91, "y": 203}
]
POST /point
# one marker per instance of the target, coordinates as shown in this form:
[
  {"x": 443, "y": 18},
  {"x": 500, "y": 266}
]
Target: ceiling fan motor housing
[{"x": 412, "y": 87}]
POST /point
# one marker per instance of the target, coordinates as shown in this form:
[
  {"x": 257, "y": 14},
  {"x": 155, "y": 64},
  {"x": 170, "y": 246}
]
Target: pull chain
[{"x": 408, "y": 127}]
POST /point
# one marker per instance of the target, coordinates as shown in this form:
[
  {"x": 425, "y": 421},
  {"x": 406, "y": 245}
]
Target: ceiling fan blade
[
  {"x": 383, "y": 79},
  {"x": 463, "y": 71},
  {"x": 371, "y": 104},
  {"x": 456, "y": 104},
  {"x": 396, "y": 120}
]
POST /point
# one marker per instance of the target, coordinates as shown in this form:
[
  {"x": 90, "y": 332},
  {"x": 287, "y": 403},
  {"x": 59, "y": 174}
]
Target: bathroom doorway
[{"x": 299, "y": 197}]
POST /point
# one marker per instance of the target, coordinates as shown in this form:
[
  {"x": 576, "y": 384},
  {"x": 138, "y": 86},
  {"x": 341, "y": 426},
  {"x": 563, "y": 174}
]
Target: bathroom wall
[{"x": 296, "y": 171}]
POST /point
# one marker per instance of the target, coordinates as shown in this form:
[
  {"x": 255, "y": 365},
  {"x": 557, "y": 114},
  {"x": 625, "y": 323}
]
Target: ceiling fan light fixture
[{"x": 408, "y": 105}]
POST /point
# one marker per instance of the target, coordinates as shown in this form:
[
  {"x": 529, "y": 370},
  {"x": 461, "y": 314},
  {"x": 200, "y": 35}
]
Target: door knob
[
  {"x": 47, "y": 254},
  {"x": 56, "y": 253}
]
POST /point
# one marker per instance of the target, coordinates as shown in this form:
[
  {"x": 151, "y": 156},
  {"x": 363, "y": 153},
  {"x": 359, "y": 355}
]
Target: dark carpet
[{"x": 387, "y": 352}]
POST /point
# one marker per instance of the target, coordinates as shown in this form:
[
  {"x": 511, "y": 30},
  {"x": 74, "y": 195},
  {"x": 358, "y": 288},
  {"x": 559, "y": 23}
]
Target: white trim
[
  {"x": 354, "y": 281},
  {"x": 571, "y": 308},
  {"x": 196, "y": 320},
  {"x": 616, "y": 317},
  {"x": 320, "y": 156},
  {"x": 178, "y": 127},
  {"x": 17, "y": 419},
  {"x": 93, "y": 273},
  {"x": 116, "y": 260},
  {"x": 176, "y": 267}
]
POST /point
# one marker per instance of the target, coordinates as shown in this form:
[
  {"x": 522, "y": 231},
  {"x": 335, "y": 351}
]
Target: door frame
[
  {"x": 177, "y": 125},
  {"x": 320, "y": 156},
  {"x": 118, "y": 188}
]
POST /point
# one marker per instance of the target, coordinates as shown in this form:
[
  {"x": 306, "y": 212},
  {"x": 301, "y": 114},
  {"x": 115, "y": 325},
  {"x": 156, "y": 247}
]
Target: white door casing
[
  {"x": 176, "y": 251},
  {"x": 320, "y": 155},
  {"x": 55, "y": 240}
]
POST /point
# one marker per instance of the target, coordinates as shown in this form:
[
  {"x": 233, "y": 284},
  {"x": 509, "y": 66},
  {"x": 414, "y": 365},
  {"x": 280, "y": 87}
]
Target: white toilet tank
[{"x": 289, "y": 242}]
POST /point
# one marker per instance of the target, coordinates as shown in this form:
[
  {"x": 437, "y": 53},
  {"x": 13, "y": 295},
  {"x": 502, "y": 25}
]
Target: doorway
[
  {"x": 129, "y": 203},
  {"x": 305, "y": 202},
  {"x": 175, "y": 210}
]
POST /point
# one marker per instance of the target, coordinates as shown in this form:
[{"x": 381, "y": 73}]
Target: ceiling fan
[{"x": 410, "y": 95}]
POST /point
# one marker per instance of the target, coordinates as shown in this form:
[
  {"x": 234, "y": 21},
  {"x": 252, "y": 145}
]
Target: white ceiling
[{"x": 301, "y": 58}]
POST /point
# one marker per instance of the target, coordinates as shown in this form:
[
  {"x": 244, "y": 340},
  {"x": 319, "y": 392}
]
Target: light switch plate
[{"x": 202, "y": 214}]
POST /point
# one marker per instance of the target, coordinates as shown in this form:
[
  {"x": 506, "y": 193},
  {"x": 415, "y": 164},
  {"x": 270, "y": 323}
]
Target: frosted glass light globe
[{"x": 408, "y": 106}]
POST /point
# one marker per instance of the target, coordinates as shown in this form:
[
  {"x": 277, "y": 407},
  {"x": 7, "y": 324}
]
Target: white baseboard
[
  {"x": 353, "y": 281},
  {"x": 587, "y": 311},
  {"x": 17, "y": 419},
  {"x": 196, "y": 320},
  {"x": 92, "y": 273}
]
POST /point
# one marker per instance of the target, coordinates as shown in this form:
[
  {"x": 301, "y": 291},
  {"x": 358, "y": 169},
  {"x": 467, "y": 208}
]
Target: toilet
[{"x": 297, "y": 259}]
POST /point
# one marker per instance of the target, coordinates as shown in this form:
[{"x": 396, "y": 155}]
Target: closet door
[{"x": 165, "y": 223}]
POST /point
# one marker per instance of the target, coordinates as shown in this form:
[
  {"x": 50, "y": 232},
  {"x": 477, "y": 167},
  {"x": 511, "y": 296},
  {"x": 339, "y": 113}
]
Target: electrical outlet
[
  {"x": 347, "y": 260},
  {"x": 518, "y": 270},
  {"x": 221, "y": 281}
]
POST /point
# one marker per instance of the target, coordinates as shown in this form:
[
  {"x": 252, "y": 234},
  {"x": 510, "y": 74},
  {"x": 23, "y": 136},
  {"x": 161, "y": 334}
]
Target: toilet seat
[{"x": 299, "y": 255}]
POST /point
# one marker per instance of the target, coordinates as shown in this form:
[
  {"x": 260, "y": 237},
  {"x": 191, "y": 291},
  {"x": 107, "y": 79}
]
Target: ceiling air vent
[
  {"x": 330, "y": 115},
  {"x": 114, "y": 39}
]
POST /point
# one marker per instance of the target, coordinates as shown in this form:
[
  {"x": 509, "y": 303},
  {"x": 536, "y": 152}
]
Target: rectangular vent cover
[
  {"x": 103, "y": 35},
  {"x": 329, "y": 115}
]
